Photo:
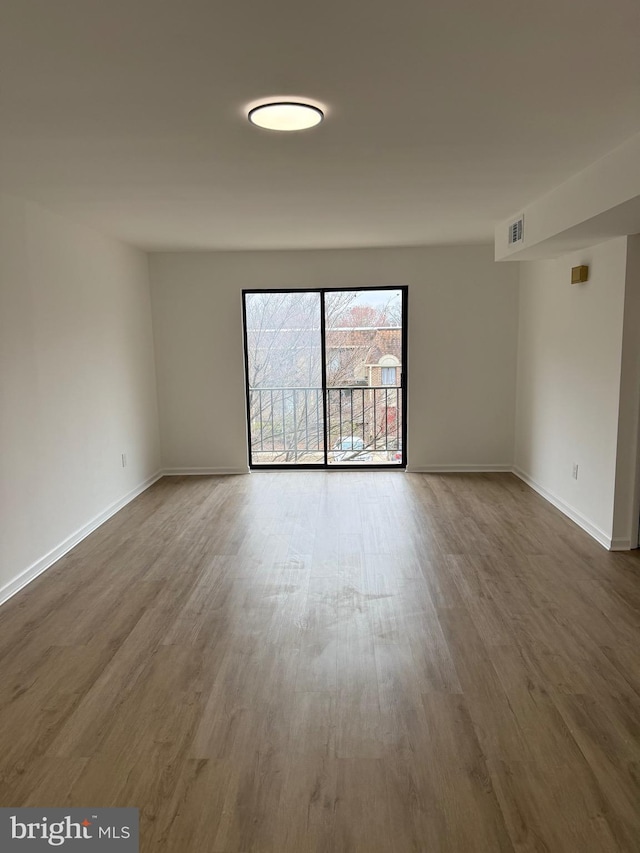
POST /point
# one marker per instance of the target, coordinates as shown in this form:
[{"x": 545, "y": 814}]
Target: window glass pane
[
  {"x": 285, "y": 378},
  {"x": 363, "y": 403}
]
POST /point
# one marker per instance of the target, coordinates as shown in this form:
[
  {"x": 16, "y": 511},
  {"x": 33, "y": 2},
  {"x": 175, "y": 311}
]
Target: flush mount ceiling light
[{"x": 286, "y": 115}]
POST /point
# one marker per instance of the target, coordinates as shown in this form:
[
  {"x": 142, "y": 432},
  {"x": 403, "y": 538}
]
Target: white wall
[
  {"x": 569, "y": 374},
  {"x": 627, "y": 494},
  {"x": 462, "y": 347},
  {"x": 77, "y": 383}
]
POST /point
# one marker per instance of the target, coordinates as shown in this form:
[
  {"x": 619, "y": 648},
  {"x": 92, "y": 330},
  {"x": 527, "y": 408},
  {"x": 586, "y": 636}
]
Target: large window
[{"x": 323, "y": 371}]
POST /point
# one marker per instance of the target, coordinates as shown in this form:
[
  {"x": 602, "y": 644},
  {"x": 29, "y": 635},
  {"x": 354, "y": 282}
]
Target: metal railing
[{"x": 364, "y": 423}]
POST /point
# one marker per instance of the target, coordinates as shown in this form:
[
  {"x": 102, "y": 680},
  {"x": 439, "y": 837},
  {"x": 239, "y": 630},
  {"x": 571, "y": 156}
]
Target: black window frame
[{"x": 326, "y": 465}]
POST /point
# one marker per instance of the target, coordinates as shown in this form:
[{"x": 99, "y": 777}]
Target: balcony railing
[{"x": 364, "y": 424}]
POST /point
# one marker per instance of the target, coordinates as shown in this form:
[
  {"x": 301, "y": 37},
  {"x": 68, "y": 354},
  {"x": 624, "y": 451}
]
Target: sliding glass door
[{"x": 325, "y": 375}]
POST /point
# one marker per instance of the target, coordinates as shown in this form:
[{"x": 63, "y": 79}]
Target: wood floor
[{"x": 344, "y": 661}]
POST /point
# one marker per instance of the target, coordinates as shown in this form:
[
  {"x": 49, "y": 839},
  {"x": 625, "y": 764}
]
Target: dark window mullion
[{"x": 325, "y": 392}]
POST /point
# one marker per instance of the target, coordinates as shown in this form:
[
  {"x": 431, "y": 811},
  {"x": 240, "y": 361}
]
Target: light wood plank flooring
[{"x": 344, "y": 661}]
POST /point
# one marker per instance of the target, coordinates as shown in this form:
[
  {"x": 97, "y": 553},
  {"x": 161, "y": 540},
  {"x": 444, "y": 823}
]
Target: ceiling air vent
[{"x": 516, "y": 231}]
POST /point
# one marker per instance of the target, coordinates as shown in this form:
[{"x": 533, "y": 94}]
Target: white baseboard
[
  {"x": 41, "y": 565},
  {"x": 462, "y": 469},
  {"x": 576, "y": 516},
  {"x": 188, "y": 472},
  {"x": 621, "y": 545}
]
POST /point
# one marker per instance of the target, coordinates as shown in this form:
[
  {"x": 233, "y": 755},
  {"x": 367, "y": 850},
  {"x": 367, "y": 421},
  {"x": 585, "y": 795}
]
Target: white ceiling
[{"x": 444, "y": 116}]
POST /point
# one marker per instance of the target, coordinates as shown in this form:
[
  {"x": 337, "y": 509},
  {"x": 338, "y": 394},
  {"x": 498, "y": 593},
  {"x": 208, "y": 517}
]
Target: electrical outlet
[
  {"x": 124, "y": 460},
  {"x": 575, "y": 471}
]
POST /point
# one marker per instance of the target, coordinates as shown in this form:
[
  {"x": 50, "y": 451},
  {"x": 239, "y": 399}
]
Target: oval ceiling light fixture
[{"x": 285, "y": 115}]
